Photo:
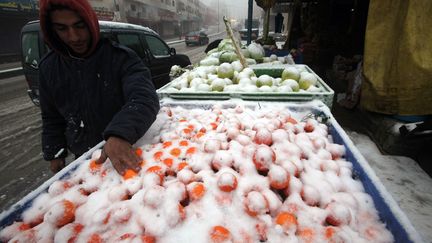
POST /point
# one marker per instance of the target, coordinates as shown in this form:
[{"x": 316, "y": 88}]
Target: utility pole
[
  {"x": 249, "y": 21},
  {"x": 218, "y": 14}
]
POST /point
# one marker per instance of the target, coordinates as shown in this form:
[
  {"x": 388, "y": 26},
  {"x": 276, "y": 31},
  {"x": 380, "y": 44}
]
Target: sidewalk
[
  {"x": 10, "y": 69},
  {"x": 383, "y": 131},
  {"x": 9, "y": 65}
]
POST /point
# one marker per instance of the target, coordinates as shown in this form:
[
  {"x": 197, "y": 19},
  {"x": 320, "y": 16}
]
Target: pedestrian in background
[{"x": 278, "y": 23}]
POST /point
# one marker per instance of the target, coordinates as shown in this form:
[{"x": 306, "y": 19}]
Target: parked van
[{"x": 154, "y": 52}]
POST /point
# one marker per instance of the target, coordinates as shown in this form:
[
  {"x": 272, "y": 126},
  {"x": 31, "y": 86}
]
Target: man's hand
[
  {"x": 121, "y": 154},
  {"x": 57, "y": 164}
]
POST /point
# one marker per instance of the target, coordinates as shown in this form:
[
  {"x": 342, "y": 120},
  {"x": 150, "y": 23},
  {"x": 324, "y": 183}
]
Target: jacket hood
[{"x": 83, "y": 8}]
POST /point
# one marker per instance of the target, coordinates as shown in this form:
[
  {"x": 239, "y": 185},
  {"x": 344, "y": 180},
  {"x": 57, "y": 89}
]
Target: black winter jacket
[{"x": 84, "y": 101}]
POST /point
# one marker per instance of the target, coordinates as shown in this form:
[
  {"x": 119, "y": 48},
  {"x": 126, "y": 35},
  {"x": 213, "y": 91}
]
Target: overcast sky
[{"x": 236, "y": 8}]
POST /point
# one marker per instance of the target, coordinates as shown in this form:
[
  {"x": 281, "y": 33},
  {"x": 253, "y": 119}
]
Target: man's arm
[
  {"x": 134, "y": 119},
  {"x": 54, "y": 146}
]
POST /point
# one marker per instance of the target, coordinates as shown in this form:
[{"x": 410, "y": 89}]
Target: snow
[
  {"x": 154, "y": 204},
  {"x": 119, "y": 25},
  {"x": 407, "y": 183}
]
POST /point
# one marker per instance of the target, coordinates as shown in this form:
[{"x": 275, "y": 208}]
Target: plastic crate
[
  {"x": 388, "y": 210},
  {"x": 326, "y": 95}
]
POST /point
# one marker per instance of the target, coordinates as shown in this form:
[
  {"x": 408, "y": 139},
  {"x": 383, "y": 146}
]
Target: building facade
[{"x": 169, "y": 18}]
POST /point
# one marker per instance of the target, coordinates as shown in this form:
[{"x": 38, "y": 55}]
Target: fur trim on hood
[{"x": 83, "y": 8}]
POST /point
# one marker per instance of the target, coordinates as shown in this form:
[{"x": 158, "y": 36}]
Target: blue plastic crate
[{"x": 388, "y": 210}]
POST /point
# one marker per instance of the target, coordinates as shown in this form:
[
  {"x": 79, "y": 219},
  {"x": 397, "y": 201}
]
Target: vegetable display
[{"x": 222, "y": 71}]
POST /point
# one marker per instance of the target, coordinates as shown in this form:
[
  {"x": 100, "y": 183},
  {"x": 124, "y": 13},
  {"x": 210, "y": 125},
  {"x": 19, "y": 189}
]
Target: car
[
  {"x": 244, "y": 34},
  {"x": 154, "y": 52},
  {"x": 196, "y": 38}
]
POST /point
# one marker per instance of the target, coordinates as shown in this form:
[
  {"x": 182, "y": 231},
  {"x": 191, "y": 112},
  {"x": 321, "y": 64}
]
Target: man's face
[{"x": 72, "y": 30}]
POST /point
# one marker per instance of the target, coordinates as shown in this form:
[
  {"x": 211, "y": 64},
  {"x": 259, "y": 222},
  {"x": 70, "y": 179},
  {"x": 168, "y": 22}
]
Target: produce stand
[
  {"x": 326, "y": 95},
  {"x": 7, "y": 217},
  {"x": 389, "y": 211}
]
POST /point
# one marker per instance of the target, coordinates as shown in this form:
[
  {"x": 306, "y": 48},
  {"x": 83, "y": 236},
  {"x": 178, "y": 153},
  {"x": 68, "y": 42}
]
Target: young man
[{"x": 90, "y": 89}]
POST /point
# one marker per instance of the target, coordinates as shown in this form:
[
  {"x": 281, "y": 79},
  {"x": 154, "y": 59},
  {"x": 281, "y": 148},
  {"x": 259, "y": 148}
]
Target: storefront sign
[
  {"x": 19, "y": 5},
  {"x": 104, "y": 14}
]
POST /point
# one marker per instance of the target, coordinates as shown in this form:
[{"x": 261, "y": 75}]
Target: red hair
[{"x": 82, "y": 8}]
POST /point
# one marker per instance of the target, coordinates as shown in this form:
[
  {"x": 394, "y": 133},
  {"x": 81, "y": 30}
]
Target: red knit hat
[{"x": 82, "y": 7}]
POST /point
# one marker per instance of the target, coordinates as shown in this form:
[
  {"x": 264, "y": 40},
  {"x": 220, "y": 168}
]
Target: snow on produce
[
  {"x": 234, "y": 174},
  {"x": 223, "y": 62}
]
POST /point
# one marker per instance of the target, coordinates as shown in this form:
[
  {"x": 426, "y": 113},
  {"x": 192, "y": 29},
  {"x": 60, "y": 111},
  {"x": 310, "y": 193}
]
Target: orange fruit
[
  {"x": 138, "y": 152},
  {"x": 329, "y": 232},
  {"x": 200, "y": 134},
  {"x": 148, "y": 239},
  {"x": 191, "y": 150},
  {"x": 166, "y": 144},
  {"x": 197, "y": 191},
  {"x": 175, "y": 152},
  {"x": 183, "y": 143},
  {"x": 220, "y": 234},
  {"x": 187, "y": 130},
  {"x": 94, "y": 166},
  {"x": 157, "y": 155},
  {"x": 286, "y": 220},
  {"x": 263, "y": 157},
  {"x": 214, "y": 125},
  {"x": 23, "y": 227},
  {"x": 76, "y": 229},
  {"x": 95, "y": 238},
  {"x": 309, "y": 127},
  {"x": 182, "y": 165},
  {"x": 307, "y": 234},
  {"x": 128, "y": 174},
  {"x": 255, "y": 203},
  {"x": 279, "y": 185},
  {"x": 157, "y": 170},
  {"x": 168, "y": 162},
  {"x": 68, "y": 213},
  {"x": 227, "y": 182},
  {"x": 278, "y": 177}
]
